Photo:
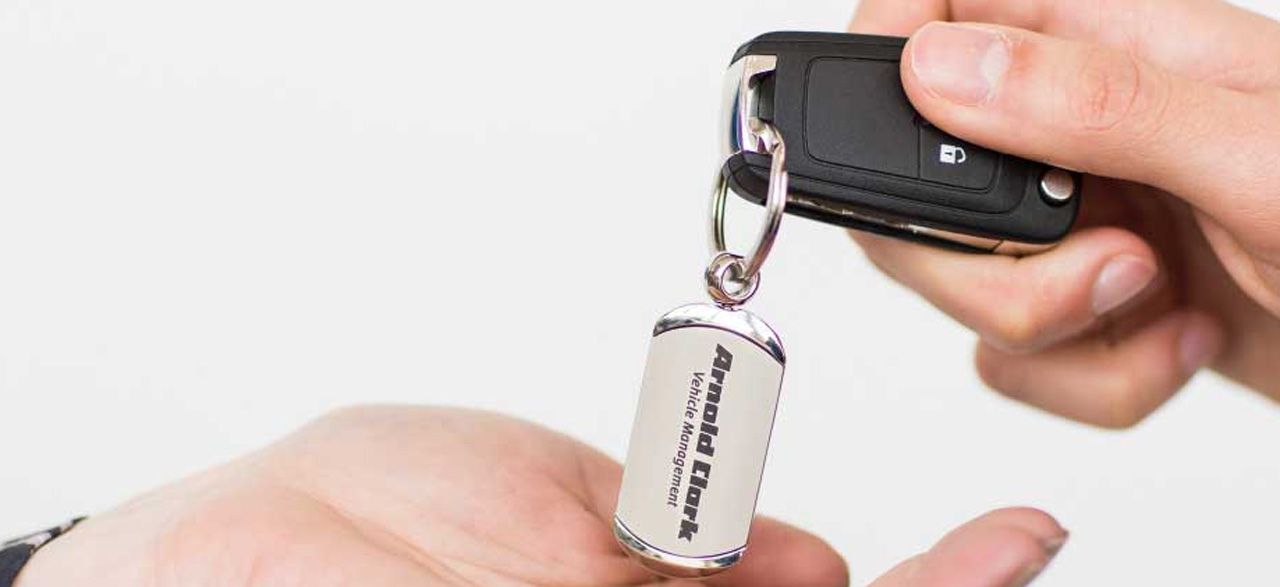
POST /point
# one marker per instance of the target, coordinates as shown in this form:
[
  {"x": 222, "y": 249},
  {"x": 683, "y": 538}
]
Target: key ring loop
[
  {"x": 774, "y": 205},
  {"x": 724, "y": 270}
]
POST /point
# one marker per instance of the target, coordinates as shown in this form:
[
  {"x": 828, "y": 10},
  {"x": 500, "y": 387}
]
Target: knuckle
[
  {"x": 1016, "y": 329},
  {"x": 1107, "y": 89},
  {"x": 1126, "y": 403}
]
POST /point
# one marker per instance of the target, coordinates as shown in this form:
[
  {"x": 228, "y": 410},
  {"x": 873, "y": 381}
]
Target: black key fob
[{"x": 859, "y": 155}]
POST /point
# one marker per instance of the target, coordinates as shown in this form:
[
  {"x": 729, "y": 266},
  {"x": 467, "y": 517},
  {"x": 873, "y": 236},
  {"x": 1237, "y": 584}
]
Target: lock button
[{"x": 946, "y": 159}]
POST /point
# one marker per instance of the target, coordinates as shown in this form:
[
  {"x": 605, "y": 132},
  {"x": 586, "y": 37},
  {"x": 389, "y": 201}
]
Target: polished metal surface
[
  {"x": 990, "y": 245},
  {"x": 730, "y": 139},
  {"x": 775, "y": 203},
  {"x": 740, "y": 322},
  {"x": 1017, "y": 249},
  {"x": 1058, "y": 186},
  {"x": 740, "y": 103},
  {"x": 716, "y": 535},
  {"x": 724, "y": 282},
  {"x": 671, "y": 565},
  {"x": 978, "y": 242}
]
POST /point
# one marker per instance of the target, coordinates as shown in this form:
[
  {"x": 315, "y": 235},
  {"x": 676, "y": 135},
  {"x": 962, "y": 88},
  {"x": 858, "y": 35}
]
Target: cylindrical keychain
[{"x": 705, "y": 415}]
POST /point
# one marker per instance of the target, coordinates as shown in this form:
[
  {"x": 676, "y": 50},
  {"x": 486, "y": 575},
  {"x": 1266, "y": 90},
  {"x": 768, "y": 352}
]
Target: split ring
[{"x": 775, "y": 202}]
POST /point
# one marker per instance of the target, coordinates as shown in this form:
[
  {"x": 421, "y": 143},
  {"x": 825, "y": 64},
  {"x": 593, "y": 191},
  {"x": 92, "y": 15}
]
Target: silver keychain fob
[
  {"x": 705, "y": 414},
  {"x": 698, "y": 445},
  {"x": 862, "y": 157}
]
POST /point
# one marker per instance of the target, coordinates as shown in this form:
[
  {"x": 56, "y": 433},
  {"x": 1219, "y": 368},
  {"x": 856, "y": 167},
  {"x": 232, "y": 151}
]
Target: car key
[{"x": 862, "y": 157}]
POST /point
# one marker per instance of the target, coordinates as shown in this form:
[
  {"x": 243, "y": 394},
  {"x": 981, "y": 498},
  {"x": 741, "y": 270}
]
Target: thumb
[
  {"x": 1005, "y": 548},
  {"x": 1096, "y": 109}
]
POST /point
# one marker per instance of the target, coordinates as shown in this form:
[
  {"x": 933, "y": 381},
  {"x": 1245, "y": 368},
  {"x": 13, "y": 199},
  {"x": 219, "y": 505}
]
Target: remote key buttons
[
  {"x": 875, "y": 130},
  {"x": 946, "y": 159}
]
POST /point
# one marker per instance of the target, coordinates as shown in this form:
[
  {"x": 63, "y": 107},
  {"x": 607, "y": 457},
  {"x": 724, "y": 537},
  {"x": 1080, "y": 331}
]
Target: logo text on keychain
[{"x": 700, "y": 475}]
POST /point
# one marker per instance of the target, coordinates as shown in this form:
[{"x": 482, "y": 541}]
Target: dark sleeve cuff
[{"x": 15, "y": 553}]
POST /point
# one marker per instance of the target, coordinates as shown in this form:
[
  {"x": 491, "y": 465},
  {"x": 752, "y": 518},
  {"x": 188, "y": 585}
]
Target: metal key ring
[
  {"x": 749, "y": 269},
  {"x": 724, "y": 286}
]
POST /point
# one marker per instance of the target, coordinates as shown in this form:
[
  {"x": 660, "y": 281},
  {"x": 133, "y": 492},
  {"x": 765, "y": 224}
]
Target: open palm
[{"x": 385, "y": 497}]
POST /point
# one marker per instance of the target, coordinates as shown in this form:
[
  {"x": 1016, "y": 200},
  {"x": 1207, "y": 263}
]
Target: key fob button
[
  {"x": 879, "y": 134},
  {"x": 948, "y": 160},
  {"x": 1057, "y": 186}
]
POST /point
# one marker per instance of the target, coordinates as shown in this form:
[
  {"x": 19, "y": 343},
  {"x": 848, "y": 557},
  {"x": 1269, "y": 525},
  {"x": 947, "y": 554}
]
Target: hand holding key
[{"x": 1173, "y": 109}]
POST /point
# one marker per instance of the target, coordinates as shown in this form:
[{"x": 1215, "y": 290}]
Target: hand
[
  {"x": 1175, "y": 264},
  {"x": 397, "y": 497}
]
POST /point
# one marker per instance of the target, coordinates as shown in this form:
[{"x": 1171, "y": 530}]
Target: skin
[
  {"x": 1172, "y": 108},
  {"x": 404, "y": 496}
]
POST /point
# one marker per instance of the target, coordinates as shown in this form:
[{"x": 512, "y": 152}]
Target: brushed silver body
[{"x": 699, "y": 440}]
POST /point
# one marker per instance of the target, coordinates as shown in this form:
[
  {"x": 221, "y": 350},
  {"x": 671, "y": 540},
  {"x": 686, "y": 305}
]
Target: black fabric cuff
[{"x": 15, "y": 553}]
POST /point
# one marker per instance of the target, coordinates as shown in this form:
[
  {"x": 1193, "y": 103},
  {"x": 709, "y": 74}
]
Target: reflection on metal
[
  {"x": 671, "y": 565},
  {"x": 742, "y": 323},
  {"x": 985, "y": 244},
  {"x": 741, "y": 100}
]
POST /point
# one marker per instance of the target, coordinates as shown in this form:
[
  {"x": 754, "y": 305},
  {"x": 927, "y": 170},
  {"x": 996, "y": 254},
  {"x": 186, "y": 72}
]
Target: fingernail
[
  {"x": 1027, "y": 576},
  {"x": 960, "y": 63},
  {"x": 1198, "y": 345},
  {"x": 1051, "y": 548},
  {"x": 1054, "y": 545},
  {"x": 1119, "y": 281}
]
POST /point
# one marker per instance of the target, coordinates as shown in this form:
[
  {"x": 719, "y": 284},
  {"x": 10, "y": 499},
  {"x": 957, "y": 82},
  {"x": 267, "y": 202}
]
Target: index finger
[
  {"x": 1231, "y": 46},
  {"x": 896, "y": 17}
]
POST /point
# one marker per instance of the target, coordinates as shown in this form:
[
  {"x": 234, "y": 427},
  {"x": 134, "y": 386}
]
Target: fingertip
[
  {"x": 1003, "y": 548},
  {"x": 985, "y": 553},
  {"x": 960, "y": 64},
  {"x": 1120, "y": 280},
  {"x": 781, "y": 555},
  {"x": 1037, "y": 523},
  {"x": 987, "y": 361},
  {"x": 1200, "y": 342},
  {"x": 817, "y": 564},
  {"x": 1059, "y": 294},
  {"x": 803, "y": 558}
]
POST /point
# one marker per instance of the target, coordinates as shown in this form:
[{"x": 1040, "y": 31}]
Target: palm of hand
[
  {"x": 400, "y": 497},
  {"x": 454, "y": 498},
  {"x": 396, "y": 497}
]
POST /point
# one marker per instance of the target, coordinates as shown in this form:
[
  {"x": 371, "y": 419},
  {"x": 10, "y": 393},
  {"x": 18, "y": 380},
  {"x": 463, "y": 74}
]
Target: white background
[{"x": 221, "y": 219}]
